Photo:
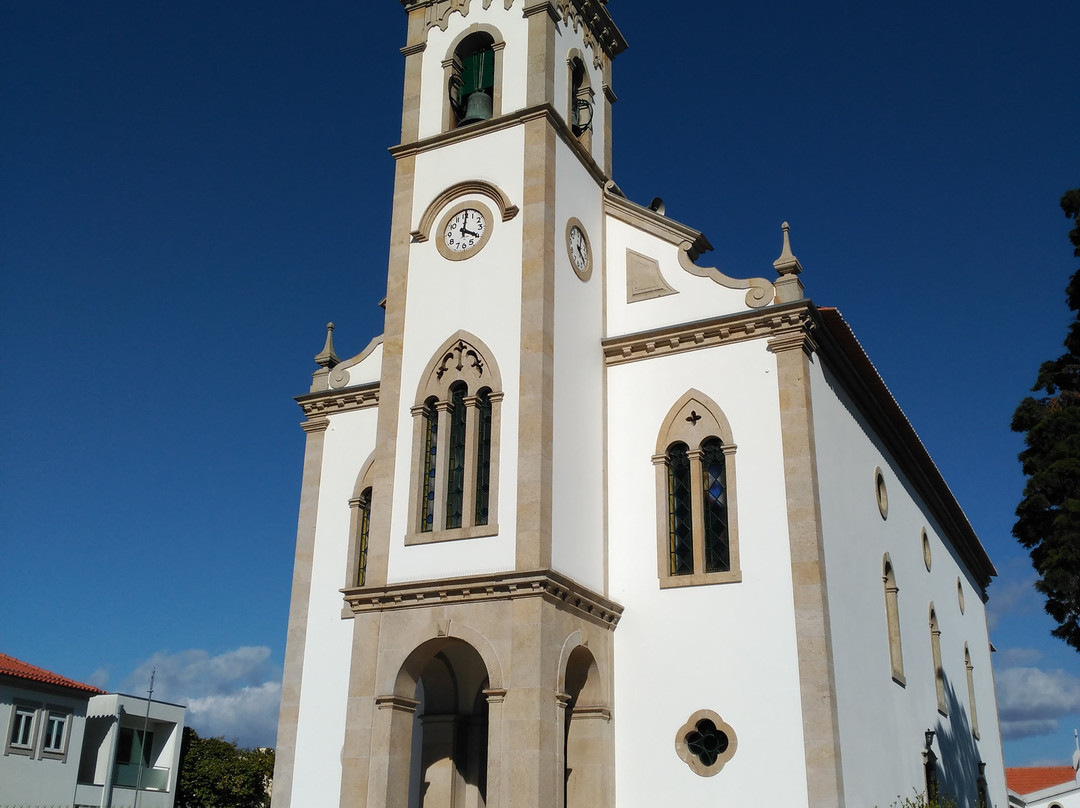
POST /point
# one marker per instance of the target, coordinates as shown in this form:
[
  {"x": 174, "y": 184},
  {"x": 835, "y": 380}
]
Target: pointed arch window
[
  {"x": 939, "y": 670},
  {"x": 973, "y": 714},
  {"x": 456, "y": 429},
  {"x": 892, "y": 620},
  {"x": 359, "y": 528},
  {"x": 695, "y": 478}
]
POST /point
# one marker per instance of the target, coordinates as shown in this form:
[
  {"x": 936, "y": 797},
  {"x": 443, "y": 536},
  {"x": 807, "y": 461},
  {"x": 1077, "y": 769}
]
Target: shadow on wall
[{"x": 958, "y": 756}]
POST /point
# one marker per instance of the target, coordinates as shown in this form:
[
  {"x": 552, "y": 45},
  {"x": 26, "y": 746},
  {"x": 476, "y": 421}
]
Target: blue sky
[{"x": 190, "y": 191}]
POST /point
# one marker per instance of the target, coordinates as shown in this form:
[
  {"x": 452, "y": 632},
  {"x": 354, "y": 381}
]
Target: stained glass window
[
  {"x": 714, "y": 479},
  {"x": 680, "y": 512},
  {"x": 483, "y": 457},
  {"x": 365, "y": 527},
  {"x": 427, "y": 481},
  {"x": 455, "y": 480}
]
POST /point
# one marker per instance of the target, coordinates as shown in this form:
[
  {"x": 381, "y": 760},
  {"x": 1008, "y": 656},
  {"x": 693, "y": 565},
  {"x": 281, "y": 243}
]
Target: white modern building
[
  {"x": 71, "y": 744},
  {"x": 592, "y": 523}
]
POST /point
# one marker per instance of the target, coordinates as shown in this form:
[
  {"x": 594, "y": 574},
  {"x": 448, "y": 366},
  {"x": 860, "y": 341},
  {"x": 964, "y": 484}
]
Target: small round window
[
  {"x": 927, "y": 558},
  {"x": 960, "y": 595},
  {"x": 705, "y": 743},
  {"x": 882, "y": 493}
]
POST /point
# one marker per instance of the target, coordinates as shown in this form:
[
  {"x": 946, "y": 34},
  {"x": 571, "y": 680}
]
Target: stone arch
[
  {"x": 677, "y": 427},
  {"x": 587, "y": 748},
  {"x": 507, "y": 209},
  {"x": 474, "y": 364},
  {"x": 439, "y": 722},
  {"x": 452, "y": 65}
]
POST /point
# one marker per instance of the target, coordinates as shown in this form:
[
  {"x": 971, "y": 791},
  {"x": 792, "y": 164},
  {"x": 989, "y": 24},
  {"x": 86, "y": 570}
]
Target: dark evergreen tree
[
  {"x": 215, "y": 773},
  {"x": 1048, "y": 517}
]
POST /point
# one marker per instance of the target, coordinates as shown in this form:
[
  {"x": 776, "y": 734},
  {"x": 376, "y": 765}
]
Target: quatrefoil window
[{"x": 705, "y": 743}]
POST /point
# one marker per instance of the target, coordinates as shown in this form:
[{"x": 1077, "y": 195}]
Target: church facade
[{"x": 595, "y": 524}]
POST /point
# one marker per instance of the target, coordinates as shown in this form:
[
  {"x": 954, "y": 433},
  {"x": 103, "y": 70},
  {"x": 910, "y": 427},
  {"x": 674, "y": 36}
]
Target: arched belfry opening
[
  {"x": 446, "y": 740},
  {"x": 587, "y": 733},
  {"x": 471, "y": 87}
]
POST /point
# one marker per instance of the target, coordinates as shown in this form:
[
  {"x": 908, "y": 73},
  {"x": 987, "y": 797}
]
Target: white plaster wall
[
  {"x": 33, "y": 781},
  {"x": 728, "y": 647},
  {"x": 482, "y": 296},
  {"x": 515, "y": 30},
  {"x": 880, "y": 719},
  {"x": 349, "y": 441},
  {"x": 369, "y": 367},
  {"x": 578, "y": 447},
  {"x": 697, "y": 298}
]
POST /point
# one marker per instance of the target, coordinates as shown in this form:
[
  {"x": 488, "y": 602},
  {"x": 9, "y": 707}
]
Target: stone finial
[
  {"x": 326, "y": 357},
  {"x": 787, "y": 263},
  {"x": 788, "y": 288}
]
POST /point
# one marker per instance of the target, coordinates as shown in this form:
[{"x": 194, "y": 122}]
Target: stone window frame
[
  {"x": 462, "y": 358},
  {"x": 682, "y": 747},
  {"x": 452, "y": 67},
  {"x": 939, "y": 670},
  {"x": 33, "y": 709},
  {"x": 892, "y": 620},
  {"x": 692, "y": 420},
  {"x": 359, "y": 511},
  {"x": 48, "y": 712},
  {"x": 973, "y": 714},
  {"x": 580, "y": 91}
]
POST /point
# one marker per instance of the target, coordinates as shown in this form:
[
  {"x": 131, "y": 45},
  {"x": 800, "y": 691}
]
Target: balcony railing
[{"x": 154, "y": 778}]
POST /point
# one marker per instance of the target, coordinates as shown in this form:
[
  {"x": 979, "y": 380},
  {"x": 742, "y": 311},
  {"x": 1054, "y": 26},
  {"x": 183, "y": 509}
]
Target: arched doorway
[
  {"x": 587, "y": 742},
  {"x": 449, "y": 728}
]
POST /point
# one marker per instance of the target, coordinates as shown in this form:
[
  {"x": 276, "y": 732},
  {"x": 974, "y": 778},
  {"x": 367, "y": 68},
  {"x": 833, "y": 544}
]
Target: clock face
[
  {"x": 465, "y": 231},
  {"x": 577, "y": 247}
]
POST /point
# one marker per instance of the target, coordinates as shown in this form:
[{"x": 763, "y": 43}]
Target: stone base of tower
[{"x": 480, "y": 692}]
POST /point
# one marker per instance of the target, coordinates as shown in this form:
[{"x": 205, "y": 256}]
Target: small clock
[
  {"x": 464, "y": 230},
  {"x": 578, "y": 248}
]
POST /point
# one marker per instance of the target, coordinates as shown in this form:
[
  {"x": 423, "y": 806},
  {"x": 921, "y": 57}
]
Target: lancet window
[
  {"x": 697, "y": 541},
  {"x": 456, "y": 424},
  {"x": 360, "y": 527}
]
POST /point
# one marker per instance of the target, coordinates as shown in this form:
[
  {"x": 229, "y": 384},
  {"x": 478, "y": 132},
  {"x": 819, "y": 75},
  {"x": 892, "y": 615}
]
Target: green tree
[
  {"x": 215, "y": 773},
  {"x": 1048, "y": 517}
]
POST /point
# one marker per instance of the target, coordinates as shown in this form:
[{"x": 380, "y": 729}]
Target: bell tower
[{"x": 476, "y": 630}]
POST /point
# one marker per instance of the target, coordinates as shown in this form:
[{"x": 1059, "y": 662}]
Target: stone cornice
[
  {"x": 330, "y": 402},
  {"x": 655, "y": 224},
  {"x": 507, "y": 121},
  {"x": 789, "y": 321},
  {"x": 549, "y": 585}
]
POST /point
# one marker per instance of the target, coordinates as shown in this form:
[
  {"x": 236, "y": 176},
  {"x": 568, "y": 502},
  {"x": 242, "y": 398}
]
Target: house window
[
  {"x": 695, "y": 477},
  {"x": 939, "y": 671},
  {"x": 133, "y": 744},
  {"x": 56, "y": 726},
  {"x": 892, "y": 619},
  {"x": 21, "y": 738},
  {"x": 456, "y": 437}
]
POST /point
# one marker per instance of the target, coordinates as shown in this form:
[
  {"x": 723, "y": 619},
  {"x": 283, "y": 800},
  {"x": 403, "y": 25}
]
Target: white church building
[{"x": 592, "y": 524}]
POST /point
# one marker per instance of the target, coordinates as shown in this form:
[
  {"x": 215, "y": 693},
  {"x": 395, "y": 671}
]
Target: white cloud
[
  {"x": 234, "y": 695},
  {"x": 249, "y": 716},
  {"x": 1018, "y": 656},
  {"x": 1032, "y": 700}
]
